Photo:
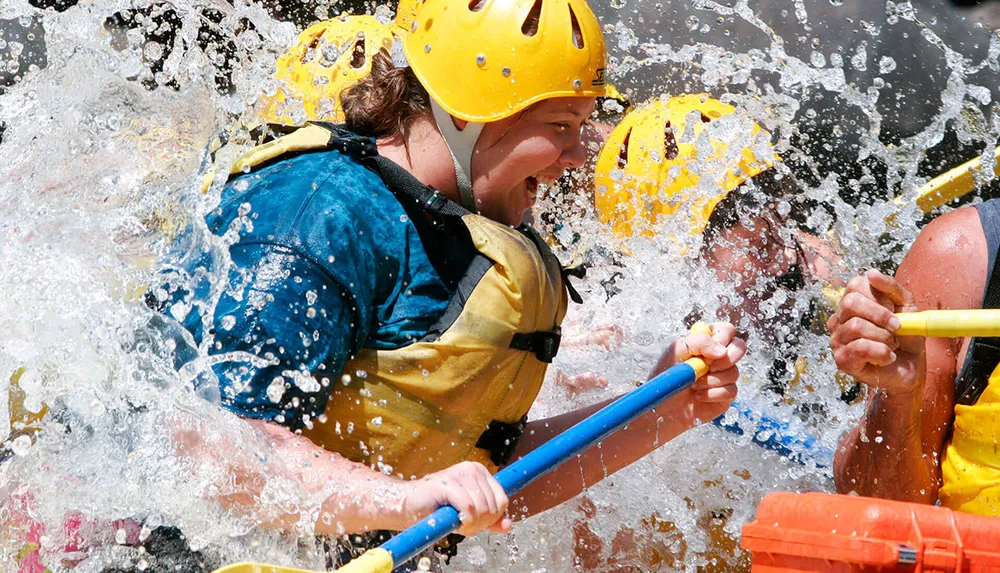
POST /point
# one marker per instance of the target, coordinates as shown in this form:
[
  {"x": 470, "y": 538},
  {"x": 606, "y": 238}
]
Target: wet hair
[
  {"x": 752, "y": 198},
  {"x": 386, "y": 102}
]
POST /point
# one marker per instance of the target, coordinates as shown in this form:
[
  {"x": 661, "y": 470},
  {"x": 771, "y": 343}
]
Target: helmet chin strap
[{"x": 460, "y": 142}]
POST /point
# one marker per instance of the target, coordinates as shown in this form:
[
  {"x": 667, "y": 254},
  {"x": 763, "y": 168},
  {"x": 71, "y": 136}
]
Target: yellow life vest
[
  {"x": 419, "y": 409},
  {"x": 464, "y": 390},
  {"x": 971, "y": 465}
]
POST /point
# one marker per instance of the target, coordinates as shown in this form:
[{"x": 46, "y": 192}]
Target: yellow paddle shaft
[
  {"x": 951, "y": 184},
  {"x": 376, "y": 560},
  {"x": 259, "y": 568},
  {"x": 373, "y": 561},
  {"x": 700, "y": 366},
  {"x": 950, "y": 323}
]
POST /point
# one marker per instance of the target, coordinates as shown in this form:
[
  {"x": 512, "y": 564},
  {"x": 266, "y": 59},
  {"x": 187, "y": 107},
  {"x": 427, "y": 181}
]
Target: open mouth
[{"x": 531, "y": 188}]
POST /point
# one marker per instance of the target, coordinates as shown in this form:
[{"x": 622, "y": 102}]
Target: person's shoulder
[
  {"x": 947, "y": 265},
  {"x": 316, "y": 188},
  {"x": 337, "y": 176},
  {"x": 958, "y": 233},
  {"x": 342, "y": 181}
]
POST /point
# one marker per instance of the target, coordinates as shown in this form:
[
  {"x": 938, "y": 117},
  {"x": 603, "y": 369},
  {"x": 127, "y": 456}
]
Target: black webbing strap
[
  {"x": 577, "y": 272},
  {"x": 984, "y": 352},
  {"x": 500, "y": 440},
  {"x": 402, "y": 183},
  {"x": 544, "y": 345},
  {"x": 397, "y": 179}
]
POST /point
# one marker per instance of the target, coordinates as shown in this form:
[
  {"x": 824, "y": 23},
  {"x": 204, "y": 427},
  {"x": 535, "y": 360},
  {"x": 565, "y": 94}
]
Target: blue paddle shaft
[
  {"x": 777, "y": 436},
  {"x": 549, "y": 456}
]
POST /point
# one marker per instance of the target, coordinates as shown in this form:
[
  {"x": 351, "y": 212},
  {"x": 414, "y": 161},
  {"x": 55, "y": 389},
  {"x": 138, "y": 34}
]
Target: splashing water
[{"x": 105, "y": 131}]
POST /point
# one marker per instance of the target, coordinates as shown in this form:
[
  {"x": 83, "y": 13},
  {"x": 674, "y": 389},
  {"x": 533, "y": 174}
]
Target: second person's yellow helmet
[
  {"x": 330, "y": 57},
  {"x": 485, "y": 60},
  {"x": 646, "y": 169}
]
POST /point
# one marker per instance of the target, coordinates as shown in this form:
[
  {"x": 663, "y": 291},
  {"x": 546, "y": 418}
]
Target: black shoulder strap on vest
[
  {"x": 397, "y": 179},
  {"x": 984, "y": 352},
  {"x": 544, "y": 344}
]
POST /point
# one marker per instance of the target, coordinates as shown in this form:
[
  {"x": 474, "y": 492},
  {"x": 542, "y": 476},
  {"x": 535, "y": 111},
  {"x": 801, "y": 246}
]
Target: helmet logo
[{"x": 598, "y": 80}]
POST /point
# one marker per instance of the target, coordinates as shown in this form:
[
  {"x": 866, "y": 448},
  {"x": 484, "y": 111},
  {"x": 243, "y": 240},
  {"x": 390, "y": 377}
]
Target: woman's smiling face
[{"x": 514, "y": 155}]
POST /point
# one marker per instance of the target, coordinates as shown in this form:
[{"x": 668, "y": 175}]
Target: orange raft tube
[{"x": 839, "y": 533}]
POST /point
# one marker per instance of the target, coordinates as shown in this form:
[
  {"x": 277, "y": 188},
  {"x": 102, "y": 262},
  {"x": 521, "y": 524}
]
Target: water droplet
[
  {"x": 886, "y": 65},
  {"x": 481, "y": 60},
  {"x": 276, "y": 389},
  {"x": 692, "y": 23},
  {"x": 424, "y": 564},
  {"x": 505, "y": 72},
  {"x": 121, "y": 536},
  {"x": 403, "y": 218},
  {"x": 152, "y": 51},
  {"x": 228, "y": 322},
  {"x": 377, "y": 421},
  {"x": 860, "y": 59},
  {"x": 21, "y": 445}
]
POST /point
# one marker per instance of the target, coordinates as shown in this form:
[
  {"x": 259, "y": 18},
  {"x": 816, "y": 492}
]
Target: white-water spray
[{"x": 102, "y": 158}]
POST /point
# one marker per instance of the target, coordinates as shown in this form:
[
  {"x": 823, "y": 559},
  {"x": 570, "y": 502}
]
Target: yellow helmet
[
  {"x": 485, "y": 60},
  {"x": 406, "y": 15},
  {"x": 329, "y": 57},
  {"x": 645, "y": 169}
]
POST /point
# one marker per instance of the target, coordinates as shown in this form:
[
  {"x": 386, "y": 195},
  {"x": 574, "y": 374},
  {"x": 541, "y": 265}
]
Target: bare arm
[
  {"x": 283, "y": 481},
  {"x": 619, "y": 450},
  {"x": 895, "y": 450},
  {"x": 709, "y": 397}
]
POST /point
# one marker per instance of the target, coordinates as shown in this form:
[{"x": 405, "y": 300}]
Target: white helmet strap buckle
[{"x": 461, "y": 143}]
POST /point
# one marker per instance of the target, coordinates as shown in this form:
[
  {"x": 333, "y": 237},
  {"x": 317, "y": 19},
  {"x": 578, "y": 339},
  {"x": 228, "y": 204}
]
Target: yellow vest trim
[{"x": 971, "y": 465}]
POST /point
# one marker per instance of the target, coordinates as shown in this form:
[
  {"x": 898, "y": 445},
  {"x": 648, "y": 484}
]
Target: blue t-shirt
[{"x": 328, "y": 261}]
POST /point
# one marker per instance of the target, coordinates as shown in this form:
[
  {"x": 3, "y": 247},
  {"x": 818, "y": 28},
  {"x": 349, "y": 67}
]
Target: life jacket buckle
[
  {"x": 500, "y": 440},
  {"x": 545, "y": 345},
  {"x": 435, "y": 203}
]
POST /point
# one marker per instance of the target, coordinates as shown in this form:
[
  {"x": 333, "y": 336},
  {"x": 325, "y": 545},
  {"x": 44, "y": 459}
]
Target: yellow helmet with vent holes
[
  {"x": 329, "y": 57},
  {"x": 485, "y": 60},
  {"x": 644, "y": 170}
]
